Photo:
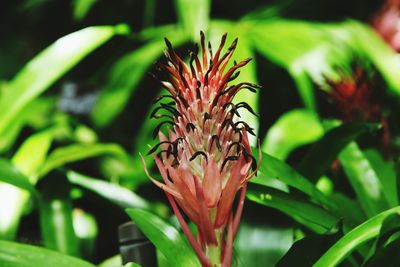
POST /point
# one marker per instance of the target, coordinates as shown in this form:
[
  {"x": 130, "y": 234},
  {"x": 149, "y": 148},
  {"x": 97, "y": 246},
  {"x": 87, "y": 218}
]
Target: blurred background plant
[{"x": 75, "y": 100}]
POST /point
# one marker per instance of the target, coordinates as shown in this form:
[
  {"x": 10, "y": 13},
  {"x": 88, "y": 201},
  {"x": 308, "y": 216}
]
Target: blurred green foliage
[{"x": 50, "y": 153}]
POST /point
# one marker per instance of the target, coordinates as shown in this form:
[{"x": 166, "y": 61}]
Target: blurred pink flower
[
  {"x": 205, "y": 159},
  {"x": 387, "y": 23}
]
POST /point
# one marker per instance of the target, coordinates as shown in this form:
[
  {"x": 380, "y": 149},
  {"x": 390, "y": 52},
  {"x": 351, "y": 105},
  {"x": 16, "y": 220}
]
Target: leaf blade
[
  {"x": 21, "y": 255},
  {"x": 165, "y": 237},
  {"x": 48, "y": 66},
  {"x": 354, "y": 238}
]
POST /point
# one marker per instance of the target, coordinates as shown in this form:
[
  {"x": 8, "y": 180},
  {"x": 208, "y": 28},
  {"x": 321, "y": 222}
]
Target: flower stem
[{"x": 214, "y": 255}]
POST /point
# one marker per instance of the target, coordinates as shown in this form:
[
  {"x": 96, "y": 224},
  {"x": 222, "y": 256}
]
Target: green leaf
[
  {"x": 131, "y": 264},
  {"x": 34, "y": 114},
  {"x": 82, "y": 7},
  {"x": 28, "y": 159},
  {"x": 11, "y": 175},
  {"x": 113, "y": 192},
  {"x": 37, "y": 145},
  {"x": 347, "y": 209},
  {"x": 272, "y": 168},
  {"x": 56, "y": 216},
  {"x": 48, "y": 66},
  {"x": 374, "y": 47},
  {"x": 193, "y": 16},
  {"x": 313, "y": 166},
  {"x": 86, "y": 230},
  {"x": 306, "y": 251},
  {"x": 261, "y": 244},
  {"x": 386, "y": 173},
  {"x": 20, "y": 255},
  {"x": 310, "y": 215},
  {"x": 114, "y": 261},
  {"x": 76, "y": 152},
  {"x": 274, "y": 39},
  {"x": 126, "y": 74},
  {"x": 320, "y": 48},
  {"x": 363, "y": 179},
  {"x": 293, "y": 129},
  {"x": 165, "y": 237},
  {"x": 359, "y": 235}
]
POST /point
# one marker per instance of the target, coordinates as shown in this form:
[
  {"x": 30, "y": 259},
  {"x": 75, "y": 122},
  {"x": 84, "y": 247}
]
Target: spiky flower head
[
  {"x": 355, "y": 95},
  {"x": 205, "y": 158}
]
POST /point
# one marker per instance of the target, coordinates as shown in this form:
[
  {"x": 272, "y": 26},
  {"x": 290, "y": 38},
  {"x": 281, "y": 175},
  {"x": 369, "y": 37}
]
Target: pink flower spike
[{"x": 205, "y": 157}]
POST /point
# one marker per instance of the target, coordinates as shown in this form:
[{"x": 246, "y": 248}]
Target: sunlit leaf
[
  {"x": 126, "y": 74},
  {"x": 9, "y": 174},
  {"x": 82, "y": 7},
  {"x": 34, "y": 114},
  {"x": 275, "y": 38},
  {"x": 193, "y": 15},
  {"x": 114, "y": 261},
  {"x": 293, "y": 129},
  {"x": 86, "y": 230},
  {"x": 76, "y": 152},
  {"x": 21, "y": 255},
  {"x": 310, "y": 215},
  {"x": 320, "y": 49},
  {"x": 131, "y": 264},
  {"x": 386, "y": 173},
  {"x": 375, "y": 49},
  {"x": 48, "y": 66},
  {"x": 363, "y": 179},
  {"x": 28, "y": 159},
  {"x": 113, "y": 192},
  {"x": 359, "y": 235},
  {"x": 165, "y": 237},
  {"x": 32, "y": 153},
  {"x": 56, "y": 217}
]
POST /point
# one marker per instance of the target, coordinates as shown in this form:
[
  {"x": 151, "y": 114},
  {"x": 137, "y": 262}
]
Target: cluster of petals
[
  {"x": 387, "y": 23},
  {"x": 355, "y": 96},
  {"x": 205, "y": 158}
]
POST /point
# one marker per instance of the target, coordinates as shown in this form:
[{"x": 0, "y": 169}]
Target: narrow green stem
[
  {"x": 213, "y": 252},
  {"x": 214, "y": 255}
]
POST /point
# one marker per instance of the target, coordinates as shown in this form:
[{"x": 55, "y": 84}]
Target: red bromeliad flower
[
  {"x": 387, "y": 23},
  {"x": 206, "y": 157},
  {"x": 355, "y": 97}
]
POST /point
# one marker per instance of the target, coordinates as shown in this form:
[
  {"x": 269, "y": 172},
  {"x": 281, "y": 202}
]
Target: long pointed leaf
[
  {"x": 76, "y": 152},
  {"x": 293, "y": 129},
  {"x": 20, "y": 255},
  {"x": 313, "y": 166},
  {"x": 310, "y": 215},
  {"x": 363, "y": 179},
  {"x": 48, "y": 66},
  {"x": 113, "y": 192},
  {"x": 359, "y": 235},
  {"x": 165, "y": 237}
]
